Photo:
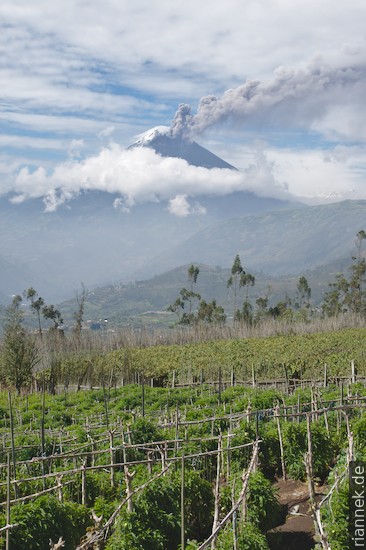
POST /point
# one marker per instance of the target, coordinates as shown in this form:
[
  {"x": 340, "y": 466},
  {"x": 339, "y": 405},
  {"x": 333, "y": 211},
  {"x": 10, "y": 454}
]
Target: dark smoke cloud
[
  {"x": 181, "y": 121},
  {"x": 297, "y": 97}
]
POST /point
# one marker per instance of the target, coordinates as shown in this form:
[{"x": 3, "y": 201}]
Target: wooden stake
[
  {"x": 129, "y": 491},
  {"x": 277, "y": 415},
  {"x": 8, "y": 496},
  {"x": 143, "y": 395},
  {"x": 112, "y": 455},
  {"x": 325, "y": 376},
  {"x": 253, "y": 376},
  {"x": 353, "y": 372},
  {"x": 83, "y": 483},
  {"x": 13, "y": 445},
  {"x": 182, "y": 498},
  {"x": 217, "y": 491}
]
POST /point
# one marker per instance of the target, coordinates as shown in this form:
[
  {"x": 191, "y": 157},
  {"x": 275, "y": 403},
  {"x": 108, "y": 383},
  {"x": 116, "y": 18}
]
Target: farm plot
[{"x": 151, "y": 468}]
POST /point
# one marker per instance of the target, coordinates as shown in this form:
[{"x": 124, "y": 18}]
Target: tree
[
  {"x": 187, "y": 299},
  {"x": 54, "y": 315},
  {"x": 349, "y": 294},
  {"x": 36, "y": 305},
  {"x": 355, "y": 298},
  {"x": 246, "y": 314},
  {"x": 303, "y": 292},
  {"x": 239, "y": 279},
  {"x": 210, "y": 312},
  {"x": 234, "y": 280},
  {"x": 79, "y": 314},
  {"x": 334, "y": 298},
  {"x": 19, "y": 350},
  {"x": 282, "y": 309}
]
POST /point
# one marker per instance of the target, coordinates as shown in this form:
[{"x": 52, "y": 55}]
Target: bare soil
[{"x": 297, "y": 533}]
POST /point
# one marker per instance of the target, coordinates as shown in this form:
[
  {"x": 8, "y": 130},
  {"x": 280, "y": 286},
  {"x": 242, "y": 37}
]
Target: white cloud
[
  {"x": 322, "y": 175},
  {"x": 180, "y": 206},
  {"x": 141, "y": 175}
]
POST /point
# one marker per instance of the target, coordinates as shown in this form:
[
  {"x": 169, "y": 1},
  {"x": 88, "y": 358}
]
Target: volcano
[{"x": 162, "y": 142}]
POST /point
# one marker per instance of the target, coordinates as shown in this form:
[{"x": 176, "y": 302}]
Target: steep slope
[
  {"x": 164, "y": 144},
  {"x": 279, "y": 242}
]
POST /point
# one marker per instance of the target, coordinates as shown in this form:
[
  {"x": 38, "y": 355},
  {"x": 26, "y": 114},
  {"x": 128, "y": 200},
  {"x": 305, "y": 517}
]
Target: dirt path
[{"x": 297, "y": 533}]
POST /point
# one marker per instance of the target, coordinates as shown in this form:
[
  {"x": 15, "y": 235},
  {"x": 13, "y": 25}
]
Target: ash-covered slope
[{"x": 162, "y": 142}]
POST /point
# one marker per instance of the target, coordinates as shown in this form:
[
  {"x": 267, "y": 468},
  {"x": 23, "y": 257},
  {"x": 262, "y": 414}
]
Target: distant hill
[
  {"x": 89, "y": 240},
  {"x": 145, "y": 302},
  {"x": 280, "y": 242}
]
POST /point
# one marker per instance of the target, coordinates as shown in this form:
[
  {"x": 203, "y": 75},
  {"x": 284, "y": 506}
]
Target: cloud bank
[{"x": 140, "y": 175}]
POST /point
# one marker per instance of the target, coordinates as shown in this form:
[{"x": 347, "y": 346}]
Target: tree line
[
  {"x": 345, "y": 295},
  {"x": 23, "y": 352}
]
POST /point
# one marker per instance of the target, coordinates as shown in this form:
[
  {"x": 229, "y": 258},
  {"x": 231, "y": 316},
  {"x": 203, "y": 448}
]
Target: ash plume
[{"x": 296, "y": 97}]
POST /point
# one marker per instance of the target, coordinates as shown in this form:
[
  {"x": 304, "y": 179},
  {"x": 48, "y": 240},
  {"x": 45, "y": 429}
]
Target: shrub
[
  {"x": 249, "y": 538},
  {"x": 46, "y": 518}
]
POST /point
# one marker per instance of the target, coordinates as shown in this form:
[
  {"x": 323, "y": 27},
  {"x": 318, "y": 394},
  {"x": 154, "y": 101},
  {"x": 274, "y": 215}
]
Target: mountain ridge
[{"x": 162, "y": 142}]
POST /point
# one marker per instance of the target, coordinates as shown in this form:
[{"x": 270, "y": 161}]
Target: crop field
[
  {"x": 186, "y": 446},
  {"x": 141, "y": 467}
]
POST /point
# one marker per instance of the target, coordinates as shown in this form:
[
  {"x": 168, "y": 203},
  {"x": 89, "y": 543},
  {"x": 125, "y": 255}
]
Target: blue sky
[{"x": 79, "y": 80}]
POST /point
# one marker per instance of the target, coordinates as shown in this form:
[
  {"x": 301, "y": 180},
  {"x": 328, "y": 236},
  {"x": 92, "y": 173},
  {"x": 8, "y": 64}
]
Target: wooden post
[
  {"x": 350, "y": 450},
  {"x": 286, "y": 378},
  {"x": 248, "y": 411},
  {"x": 143, "y": 395},
  {"x": 220, "y": 385},
  {"x": 149, "y": 462},
  {"x": 277, "y": 415},
  {"x": 217, "y": 491},
  {"x": 326, "y": 424},
  {"x": 232, "y": 378},
  {"x": 182, "y": 498},
  {"x": 253, "y": 376},
  {"x": 325, "y": 375},
  {"x": 106, "y": 407},
  {"x": 83, "y": 483},
  {"x": 59, "y": 487},
  {"x": 12, "y": 444},
  {"x": 42, "y": 434},
  {"x": 176, "y": 444},
  {"x": 111, "y": 452},
  {"x": 8, "y": 496},
  {"x": 309, "y": 461},
  {"x": 315, "y": 512},
  {"x": 353, "y": 372},
  {"x": 235, "y": 534},
  {"x": 228, "y": 453},
  {"x": 128, "y": 480}
]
